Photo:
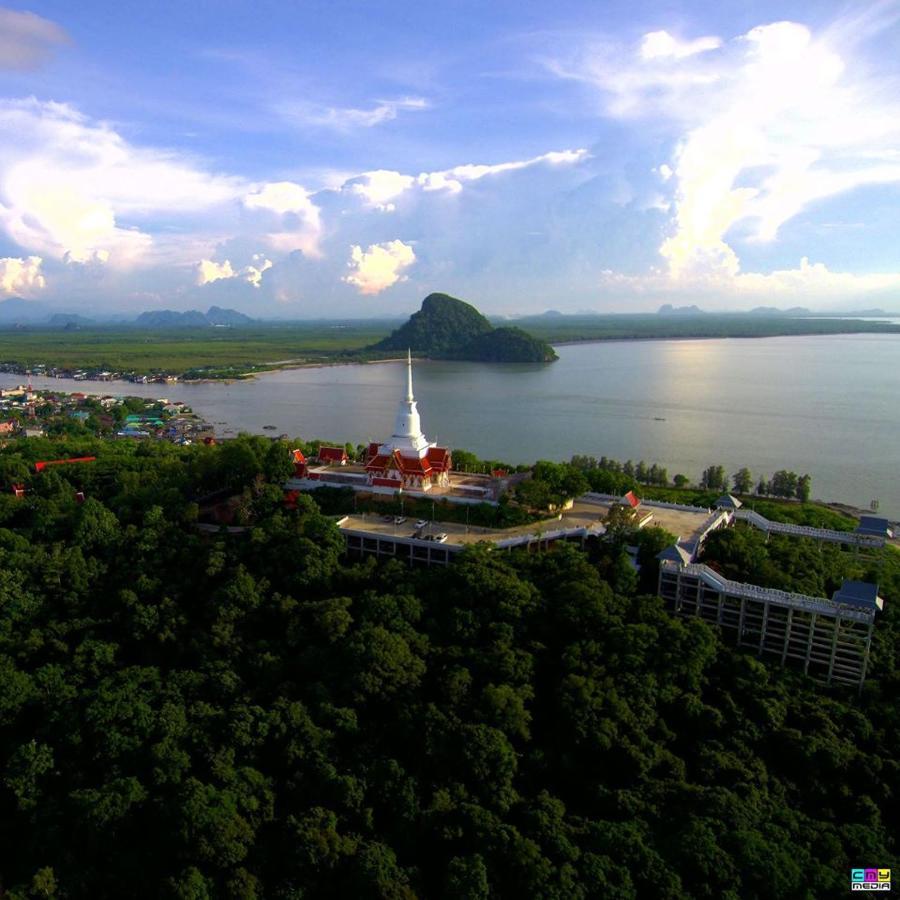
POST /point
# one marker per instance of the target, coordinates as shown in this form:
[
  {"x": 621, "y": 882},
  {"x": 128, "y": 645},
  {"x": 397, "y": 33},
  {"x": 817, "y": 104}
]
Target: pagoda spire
[{"x": 409, "y": 389}]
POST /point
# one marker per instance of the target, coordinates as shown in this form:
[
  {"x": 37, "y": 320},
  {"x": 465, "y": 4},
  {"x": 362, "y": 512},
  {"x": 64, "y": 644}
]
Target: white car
[
  {"x": 440, "y": 538},
  {"x": 399, "y": 520},
  {"x": 421, "y": 523}
]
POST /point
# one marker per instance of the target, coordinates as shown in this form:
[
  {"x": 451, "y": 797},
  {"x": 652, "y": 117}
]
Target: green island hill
[{"x": 448, "y": 328}]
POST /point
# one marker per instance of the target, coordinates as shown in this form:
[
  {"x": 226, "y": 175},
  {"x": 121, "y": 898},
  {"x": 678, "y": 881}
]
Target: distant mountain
[
  {"x": 774, "y": 311},
  {"x": 215, "y": 315},
  {"x": 193, "y": 318},
  {"x": 447, "y": 328},
  {"x": 668, "y": 310}
]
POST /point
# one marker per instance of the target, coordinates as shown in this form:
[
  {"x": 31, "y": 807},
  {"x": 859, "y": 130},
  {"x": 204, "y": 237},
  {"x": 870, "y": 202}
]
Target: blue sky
[{"x": 346, "y": 158}]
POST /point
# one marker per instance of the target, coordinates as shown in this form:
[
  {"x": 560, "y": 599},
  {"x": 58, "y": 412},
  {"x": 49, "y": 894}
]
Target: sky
[{"x": 344, "y": 159}]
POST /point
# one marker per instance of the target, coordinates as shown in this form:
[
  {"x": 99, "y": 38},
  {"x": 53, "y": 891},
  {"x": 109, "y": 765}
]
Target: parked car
[
  {"x": 440, "y": 538},
  {"x": 421, "y": 523},
  {"x": 399, "y": 520}
]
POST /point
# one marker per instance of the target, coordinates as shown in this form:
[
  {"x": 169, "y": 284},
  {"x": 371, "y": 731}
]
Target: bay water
[{"x": 826, "y": 405}]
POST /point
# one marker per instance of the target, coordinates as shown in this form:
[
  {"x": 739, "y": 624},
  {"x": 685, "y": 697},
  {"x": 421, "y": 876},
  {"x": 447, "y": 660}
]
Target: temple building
[{"x": 408, "y": 459}]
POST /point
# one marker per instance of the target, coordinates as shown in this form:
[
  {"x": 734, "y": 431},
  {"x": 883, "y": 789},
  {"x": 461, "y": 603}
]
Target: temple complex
[{"x": 408, "y": 459}]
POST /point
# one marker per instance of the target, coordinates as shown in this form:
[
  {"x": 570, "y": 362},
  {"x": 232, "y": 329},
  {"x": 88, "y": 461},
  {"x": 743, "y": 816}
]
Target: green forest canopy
[{"x": 194, "y": 716}]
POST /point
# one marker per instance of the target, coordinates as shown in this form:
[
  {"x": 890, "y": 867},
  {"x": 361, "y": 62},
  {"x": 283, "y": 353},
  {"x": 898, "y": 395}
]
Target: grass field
[{"x": 127, "y": 349}]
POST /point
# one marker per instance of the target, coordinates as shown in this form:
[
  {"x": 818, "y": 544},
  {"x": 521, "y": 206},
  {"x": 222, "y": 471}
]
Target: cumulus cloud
[
  {"x": 812, "y": 281},
  {"x": 767, "y": 123},
  {"x": 21, "y": 277},
  {"x": 208, "y": 271},
  {"x": 291, "y": 219},
  {"x": 378, "y": 267},
  {"x": 658, "y": 44},
  {"x": 453, "y": 179},
  {"x": 91, "y": 258},
  {"x": 348, "y": 118},
  {"x": 27, "y": 40},
  {"x": 380, "y": 187},
  {"x": 254, "y": 272},
  {"x": 76, "y": 190}
]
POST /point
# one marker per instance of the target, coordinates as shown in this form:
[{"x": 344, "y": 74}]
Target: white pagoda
[{"x": 408, "y": 459}]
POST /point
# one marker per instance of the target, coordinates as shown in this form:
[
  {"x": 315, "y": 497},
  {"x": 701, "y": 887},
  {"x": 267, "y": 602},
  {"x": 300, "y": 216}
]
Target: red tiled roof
[
  {"x": 338, "y": 454},
  {"x": 412, "y": 465},
  {"x": 408, "y": 465},
  {"x": 439, "y": 457},
  {"x": 633, "y": 501},
  {"x": 378, "y": 462},
  {"x": 372, "y": 450},
  {"x": 298, "y": 456}
]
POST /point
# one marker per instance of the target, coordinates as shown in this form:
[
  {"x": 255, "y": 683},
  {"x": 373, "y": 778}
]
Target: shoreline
[
  {"x": 275, "y": 367},
  {"x": 300, "y": 363},
  {"x": 839, "y": 506}
]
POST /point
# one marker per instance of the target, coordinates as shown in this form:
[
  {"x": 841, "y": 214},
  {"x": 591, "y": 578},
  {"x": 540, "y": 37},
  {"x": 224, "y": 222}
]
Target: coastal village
[
  {"x": 29, "y": 413},
  {"x": 88, "y": 374}
]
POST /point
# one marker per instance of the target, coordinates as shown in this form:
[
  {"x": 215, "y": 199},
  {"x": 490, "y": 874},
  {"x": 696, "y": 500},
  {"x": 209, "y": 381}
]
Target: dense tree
[
  {"x": 714, "y": 478},
  {"x": 742, "y": 481},
  {"x": 257, "y": 716}
]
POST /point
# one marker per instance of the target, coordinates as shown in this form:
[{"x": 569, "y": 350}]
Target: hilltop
[{"x": 448, "y": 328}]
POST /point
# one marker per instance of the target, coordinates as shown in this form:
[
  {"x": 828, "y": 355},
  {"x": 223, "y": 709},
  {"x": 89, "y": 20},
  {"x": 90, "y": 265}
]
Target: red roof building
[
  {"x": 299, "y": 461},
  {"x": 632, "y": 500},
  {"x": 333, "y": 455}
]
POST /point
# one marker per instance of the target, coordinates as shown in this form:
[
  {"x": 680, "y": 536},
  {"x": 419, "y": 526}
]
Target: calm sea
[{"x": 824, "y": 405}]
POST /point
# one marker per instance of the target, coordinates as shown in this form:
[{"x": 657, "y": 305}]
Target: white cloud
[
  {"x": 27, "y": 40},
  {"x": 348, "y": 118},
  {"x": 91, "y": 258},
  {"x": 21, "y": 277},
  {"x": 453, "y": 179},
  {"x": 378, "y": 267},
  {"x": 816, "y": 280},
  {"x": 291, "y": 218},
  {"x": 809, "y": 281},
  {"x": 767, "y": 123},
  {"x": 74, "y": 189},
  {"x": 208, "y": 271},
  {"x": 380, "y": 187},
  {"x": 253, "y": 273},
  {"x": 658, "y": 44}
]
